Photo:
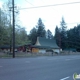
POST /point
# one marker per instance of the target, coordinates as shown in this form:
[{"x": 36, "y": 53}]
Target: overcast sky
[{"x": 51, "y": 16}]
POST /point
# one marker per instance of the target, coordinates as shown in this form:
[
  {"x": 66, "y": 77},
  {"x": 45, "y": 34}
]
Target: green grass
[
  {"x": 23, "y": 54},
  {"x": 5, "y": 56},
  {"x": 30, "y": 54}
]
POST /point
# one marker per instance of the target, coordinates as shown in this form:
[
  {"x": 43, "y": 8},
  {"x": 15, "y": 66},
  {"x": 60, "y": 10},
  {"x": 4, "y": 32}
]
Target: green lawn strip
[
  {"x": 23, "y": 54},
  {"x": 5, "y": 56}
]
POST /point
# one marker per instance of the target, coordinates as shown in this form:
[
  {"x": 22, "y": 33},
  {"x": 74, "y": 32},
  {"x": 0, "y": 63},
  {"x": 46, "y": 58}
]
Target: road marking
[
  {"x": 65, "y": 78},
  {"x": 27, "y": 61}
]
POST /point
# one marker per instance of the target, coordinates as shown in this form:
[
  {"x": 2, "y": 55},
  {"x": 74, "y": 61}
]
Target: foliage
[
  {"x": 3, "y": 28},
  {"x": 74, "y": 37},
  {"x": 21, "y": 37},
  {"x": 33, "y": 35},
  {"x": 58, "y": 36},
  {"x": 6, "y": 36},
  {"x": 64, "y": 38},
  {"x": 40, "y": 28},
  {"x": 38, "y": 31},
  {"x": 68, "y": 38},
  {"x": 49, "y": 34},
  {"x": 63, "y": 34}
]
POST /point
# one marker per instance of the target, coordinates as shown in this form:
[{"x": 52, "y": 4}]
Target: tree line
[
  {"x": 67, "y": 39},
  {"x": 39, "y": 31},
  {"x": 64, "y": 38},
  {"x": 21, "y": 36}
]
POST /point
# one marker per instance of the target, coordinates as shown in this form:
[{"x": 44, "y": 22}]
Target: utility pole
[
  {"x": 10, "y": 31},
  {"x": 13, "y": 28}
]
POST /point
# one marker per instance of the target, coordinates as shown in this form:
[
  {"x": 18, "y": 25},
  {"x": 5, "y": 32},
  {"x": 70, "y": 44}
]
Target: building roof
[
  {"x": 8, "y": 46},
  {"x": 41, "y": 47},
  {"x": 48, "y": 43}
]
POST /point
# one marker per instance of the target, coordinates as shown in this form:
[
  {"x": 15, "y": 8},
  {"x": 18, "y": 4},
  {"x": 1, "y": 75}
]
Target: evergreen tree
[
  {"x": 49, "y": 34},
  {"x": 40, "y": 29},
  {"x": 63, "y": 33},
  {"x": 58, "y": 36},
  {"x": 74, "y": 37},
  {"x": 33, "y": 35}
]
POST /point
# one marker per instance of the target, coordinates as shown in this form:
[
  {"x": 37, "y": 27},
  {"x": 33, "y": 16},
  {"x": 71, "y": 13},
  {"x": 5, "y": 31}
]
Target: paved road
[{"x": 40, "y": 68}]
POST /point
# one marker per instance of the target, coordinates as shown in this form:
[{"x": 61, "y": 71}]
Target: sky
[{"x": 51, "y": 16}]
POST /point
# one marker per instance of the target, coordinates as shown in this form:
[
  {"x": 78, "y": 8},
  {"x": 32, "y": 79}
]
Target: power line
[
  {"x": 50, "y": 5},
  {"x": 69, "y": 23},
  {"x": 51, "y": 8},
  {"x": 29, "y": 2},
  {"x": 73, "y": 23}
]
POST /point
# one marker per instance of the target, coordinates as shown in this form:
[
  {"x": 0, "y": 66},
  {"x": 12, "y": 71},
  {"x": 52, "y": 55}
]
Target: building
[{"x": 43, "y": 45}]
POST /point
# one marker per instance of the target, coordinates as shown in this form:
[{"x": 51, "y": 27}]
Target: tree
[
  {"x": 74, "y": 37},
  {"x": 3, "y": 28},
  {"x": 33, "y": 35},
  {"x": 7, "y": 8},
  {"x": 21, "y": 37},
  {"x": 49, "y": 34},
  {"x": 63, "y": 33},
  {"x": 58, "y": 36},
  {"x": 63, "y": 25},
  {"x": 40, "y": 29}
]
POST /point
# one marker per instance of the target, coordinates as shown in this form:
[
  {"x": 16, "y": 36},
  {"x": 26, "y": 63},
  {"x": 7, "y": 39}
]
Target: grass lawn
[{"x": 24, "y": 54}]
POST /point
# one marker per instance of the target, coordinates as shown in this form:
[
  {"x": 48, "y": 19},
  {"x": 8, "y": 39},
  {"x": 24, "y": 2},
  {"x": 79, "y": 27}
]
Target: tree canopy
[
  {"x": 49, "y": 34},
  {"x": 38, "y": 31},
  {"x": 68, "y": 38},
  {"x": 64, "y": 38},
  {"x": 40, "y": 28}
]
